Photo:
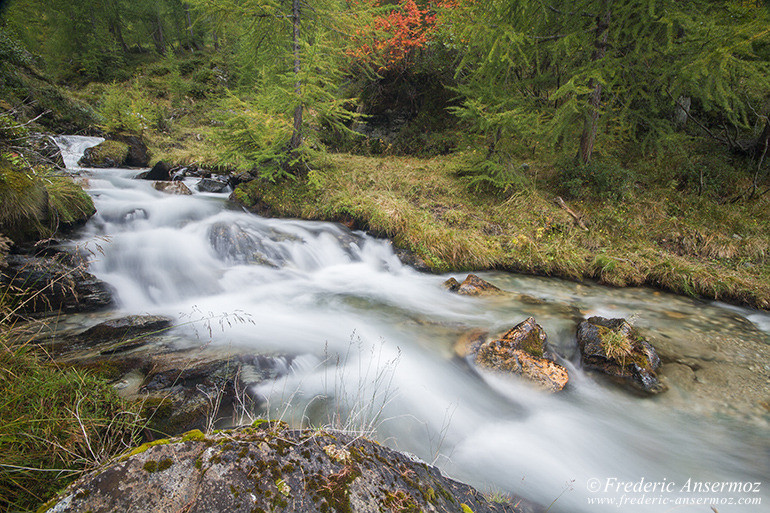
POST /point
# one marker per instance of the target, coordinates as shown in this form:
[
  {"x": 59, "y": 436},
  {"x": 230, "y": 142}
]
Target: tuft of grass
[
  {"x": 616, "y": 345},
  {"x": 34, "y": 202}
]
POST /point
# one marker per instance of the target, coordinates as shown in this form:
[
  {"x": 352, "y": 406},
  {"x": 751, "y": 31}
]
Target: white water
[{"x": 319, "y": 290}]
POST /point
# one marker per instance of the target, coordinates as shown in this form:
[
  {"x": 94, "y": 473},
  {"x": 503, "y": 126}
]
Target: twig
[{"x": 575, "y": 216}]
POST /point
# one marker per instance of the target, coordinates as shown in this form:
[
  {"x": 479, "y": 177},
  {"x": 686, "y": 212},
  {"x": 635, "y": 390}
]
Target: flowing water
[{"x": 373, "y": 341}]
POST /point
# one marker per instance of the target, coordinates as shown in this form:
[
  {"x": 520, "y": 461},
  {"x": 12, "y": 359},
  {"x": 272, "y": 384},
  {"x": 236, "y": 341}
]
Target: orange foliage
[{"x": 392, "y": 39}]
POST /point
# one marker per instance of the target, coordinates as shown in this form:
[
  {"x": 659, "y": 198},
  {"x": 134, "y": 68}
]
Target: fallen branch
[{"x": 578, "y": 219}]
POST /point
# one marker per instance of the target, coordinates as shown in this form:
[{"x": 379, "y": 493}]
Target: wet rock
[
  {"x": 269, "y": 467},
  {"x": 524, "y": 351},
  {"x": 105, "y": 154},
  {"x": 211, "y": 185},
  {"x": 614, "y": 348},
  {"x": 126, "y": 327},
  {"x": 471, "y": 286},
  {"x": 138, "y": 155},
  {"x": 160, "y": 171},
  {"x": 233, "y": 244},
  {"x": 234, "y": 180},
  {"x": 52, "y": 284},
  {"x": 172, "y": 188}
]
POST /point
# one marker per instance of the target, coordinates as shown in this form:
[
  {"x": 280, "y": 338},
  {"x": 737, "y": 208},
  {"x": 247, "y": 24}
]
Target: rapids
[{"x": 373, "y": 341}]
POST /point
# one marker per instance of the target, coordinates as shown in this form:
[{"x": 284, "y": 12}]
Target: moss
[
  {"x": 465, "y": 508},
  {"x": 106, "y": 154},
  {"x": 144, "y": 447},
  {"x": 401, "y": 502},
  {"x": 150, "y": 466},
  {"x": 194, "y": 435},
  {"x": 199, "y": 463}
]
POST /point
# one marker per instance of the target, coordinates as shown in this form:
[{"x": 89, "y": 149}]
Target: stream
[{"x": 373, "y": 343}]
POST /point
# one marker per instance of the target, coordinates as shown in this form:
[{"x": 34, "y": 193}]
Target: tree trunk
[
  {"x": 296, "y": 136},
  {"x": 682, "y": 111},
  {"x": 157, "y": 36},
  {"x": 193, "y": 43},
  {"x": 588, "y": 137}
]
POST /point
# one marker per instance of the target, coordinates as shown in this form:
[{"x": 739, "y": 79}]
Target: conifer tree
[{"x": 575, "y": 71}]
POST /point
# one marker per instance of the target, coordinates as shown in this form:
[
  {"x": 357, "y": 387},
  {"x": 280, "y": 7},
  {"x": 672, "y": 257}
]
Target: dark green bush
[{"x": 604, "y": 179}]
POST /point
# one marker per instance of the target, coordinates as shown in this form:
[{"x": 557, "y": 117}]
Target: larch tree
[{"x": 601, "y": 68}]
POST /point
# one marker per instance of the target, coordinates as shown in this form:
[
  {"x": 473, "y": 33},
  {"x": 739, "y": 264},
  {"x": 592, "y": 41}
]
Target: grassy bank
[
  {"x": 55, "y": 424},
  {"x": 653, "y": 235}
]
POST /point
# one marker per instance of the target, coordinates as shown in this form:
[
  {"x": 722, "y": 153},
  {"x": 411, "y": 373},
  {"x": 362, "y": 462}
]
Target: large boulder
[
  {"x": 522, "y": 351},
  {"x": 50, "y": 284},
  {"x": 105, "y": 154},
  {"x": 269, "y": 467},
  {"x": 614, "y": 348},
  {"x": 138, "y": 155},
  {"x": 472, "y": 285}
]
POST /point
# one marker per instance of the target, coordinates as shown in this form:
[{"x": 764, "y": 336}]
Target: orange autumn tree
[{"x": 391, "y": 39}]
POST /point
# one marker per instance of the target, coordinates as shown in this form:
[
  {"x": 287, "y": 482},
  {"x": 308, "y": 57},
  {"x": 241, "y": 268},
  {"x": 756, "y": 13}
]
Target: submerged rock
[
  {"x": 172, "y": 188},
  {"x": 51, "y": 284},
  {"x": 613, "y": 347},
  {"x": 471, "y": 286},
  {"x": 522, "y": 351},
  {"x": 269, "y": 467},
  {"x": 126, "y": 327}
]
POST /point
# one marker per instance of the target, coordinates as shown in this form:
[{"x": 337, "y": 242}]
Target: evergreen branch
[{"x": 573, "y": 13}]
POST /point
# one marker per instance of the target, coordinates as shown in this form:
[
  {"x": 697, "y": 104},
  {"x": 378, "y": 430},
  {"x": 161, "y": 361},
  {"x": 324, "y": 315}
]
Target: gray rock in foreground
[{"x": 271, "y": 468}]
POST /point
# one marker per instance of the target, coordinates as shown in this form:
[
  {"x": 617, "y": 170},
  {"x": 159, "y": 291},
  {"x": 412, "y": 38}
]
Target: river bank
[{"x": 659, "y": 237}]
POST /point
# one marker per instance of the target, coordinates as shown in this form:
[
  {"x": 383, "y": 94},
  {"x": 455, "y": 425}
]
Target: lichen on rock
[{"x": 272, "y": 468}]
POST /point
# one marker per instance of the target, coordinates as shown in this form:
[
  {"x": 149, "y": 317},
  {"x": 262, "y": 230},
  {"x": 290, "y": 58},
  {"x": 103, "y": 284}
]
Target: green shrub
[
  {"x": 250, "y": 137},
  {"x": 124, "y": 110},
  {"x": 492, "y": 175},
  {"x": 603, "y": 179}
]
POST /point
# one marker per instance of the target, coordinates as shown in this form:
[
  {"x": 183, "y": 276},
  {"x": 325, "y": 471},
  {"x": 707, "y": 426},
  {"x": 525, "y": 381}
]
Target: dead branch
[{"x": 578, "y": 219}]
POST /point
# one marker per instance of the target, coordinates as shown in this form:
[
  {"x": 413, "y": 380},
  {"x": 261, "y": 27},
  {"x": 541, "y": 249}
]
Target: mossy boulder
[
  {"x": 138, "y": 155},
  {"x": 269, "y": 467},
  {"x": 614, "y": 348},
  {"x": 35, "y": 203},
  {"x": 105, "y": 154}
]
